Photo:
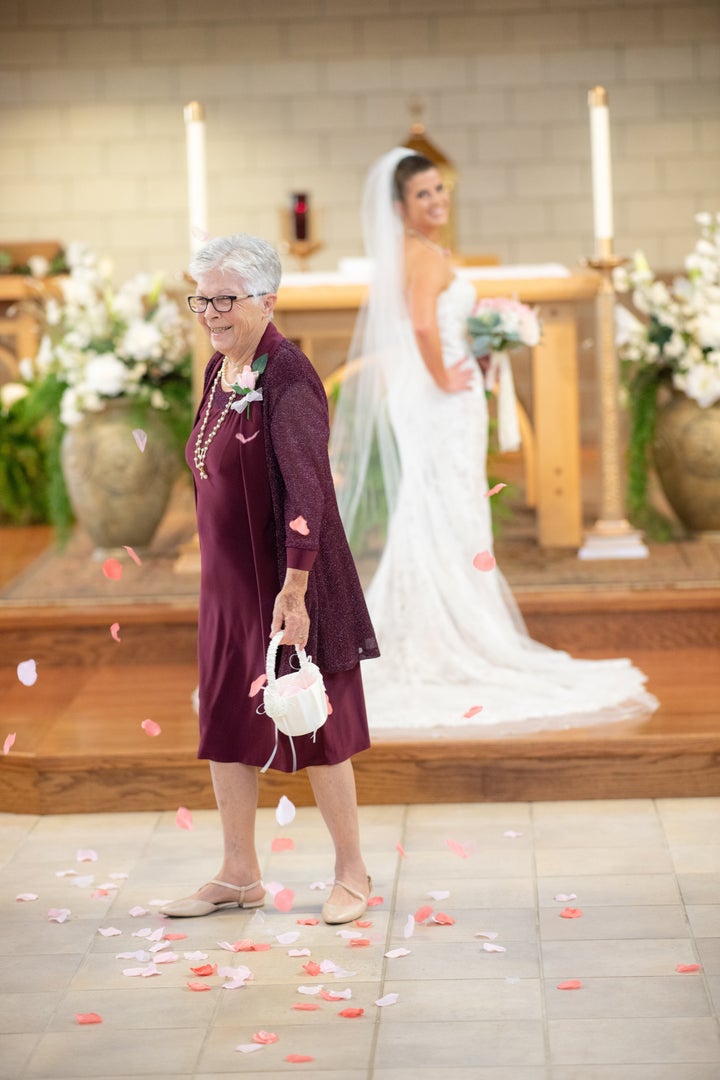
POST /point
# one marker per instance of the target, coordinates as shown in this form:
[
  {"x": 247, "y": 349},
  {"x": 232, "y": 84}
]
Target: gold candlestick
[{"x": 612, "y": 536}]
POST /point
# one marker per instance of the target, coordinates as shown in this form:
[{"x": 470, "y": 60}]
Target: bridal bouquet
[{"x": 497, "y": 325}]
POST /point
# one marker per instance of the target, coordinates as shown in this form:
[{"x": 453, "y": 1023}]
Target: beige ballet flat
[
  {"x": 342, "y": 913},
  {"x": 190, "y": 907}
]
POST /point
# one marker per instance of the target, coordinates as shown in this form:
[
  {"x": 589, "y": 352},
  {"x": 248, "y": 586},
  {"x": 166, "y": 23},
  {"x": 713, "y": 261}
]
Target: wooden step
[{"x": 572, "y": 619}]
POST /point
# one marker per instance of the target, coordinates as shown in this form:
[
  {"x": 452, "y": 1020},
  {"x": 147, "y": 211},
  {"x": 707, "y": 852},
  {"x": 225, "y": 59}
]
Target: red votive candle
[{"x": 300, "y": 222}]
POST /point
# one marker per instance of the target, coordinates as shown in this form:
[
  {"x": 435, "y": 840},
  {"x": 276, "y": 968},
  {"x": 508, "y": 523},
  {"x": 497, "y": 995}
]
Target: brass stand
[
  {"x": 303, "y": 249},
  {"x": 612, "y": 536}
]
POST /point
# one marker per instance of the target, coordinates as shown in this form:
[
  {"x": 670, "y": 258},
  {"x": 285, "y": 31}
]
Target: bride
[{"x": 454, "y": 649}]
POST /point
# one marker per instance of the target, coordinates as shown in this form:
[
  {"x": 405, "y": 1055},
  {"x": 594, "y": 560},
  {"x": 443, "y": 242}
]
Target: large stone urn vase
[
  {"x": 686, "y": 455},
  {"x": 118, "y": 492}
]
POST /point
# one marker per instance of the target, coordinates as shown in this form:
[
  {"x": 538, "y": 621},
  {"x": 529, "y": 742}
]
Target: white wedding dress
[{"x": 451, "y": 636}]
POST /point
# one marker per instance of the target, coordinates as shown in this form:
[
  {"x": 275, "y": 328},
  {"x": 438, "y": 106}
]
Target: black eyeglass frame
[{"x": 222, "y": 296}]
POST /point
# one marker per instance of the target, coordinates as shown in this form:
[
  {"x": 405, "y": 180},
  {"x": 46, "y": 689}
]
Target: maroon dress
[{"x": 263, "y": 470}]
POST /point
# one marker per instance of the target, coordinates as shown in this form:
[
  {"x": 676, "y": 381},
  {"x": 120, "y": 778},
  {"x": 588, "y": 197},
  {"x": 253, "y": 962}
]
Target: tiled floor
[{"x": 646, "y": 877}]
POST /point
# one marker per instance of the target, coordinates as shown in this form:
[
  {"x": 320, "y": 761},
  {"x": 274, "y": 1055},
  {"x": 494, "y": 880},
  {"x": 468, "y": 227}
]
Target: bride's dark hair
[{"x": 407, "y": 168}]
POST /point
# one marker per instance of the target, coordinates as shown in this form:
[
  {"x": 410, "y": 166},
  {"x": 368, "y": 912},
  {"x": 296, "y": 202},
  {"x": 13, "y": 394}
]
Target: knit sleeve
[{"x": 299, "y": 429}]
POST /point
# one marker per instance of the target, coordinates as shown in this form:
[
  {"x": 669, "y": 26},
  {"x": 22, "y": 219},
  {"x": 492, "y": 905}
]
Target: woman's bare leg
[
  {"x": 236, "y": 792},
  {"x": 335, "y": 795}
]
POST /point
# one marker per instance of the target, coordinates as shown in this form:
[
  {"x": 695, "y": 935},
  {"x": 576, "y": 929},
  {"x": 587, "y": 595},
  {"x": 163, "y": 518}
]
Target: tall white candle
[
  {"x": 600, "y": 154},
  {"x": 197, "y": 182}
]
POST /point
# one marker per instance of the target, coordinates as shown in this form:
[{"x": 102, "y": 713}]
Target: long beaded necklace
[{"x": 201, "y": 449}]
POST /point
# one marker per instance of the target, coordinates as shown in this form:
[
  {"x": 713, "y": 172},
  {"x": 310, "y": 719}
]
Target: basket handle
[{"x": 272, "y": 656}]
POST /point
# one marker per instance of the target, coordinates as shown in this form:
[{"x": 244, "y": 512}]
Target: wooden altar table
[{"x": 315, "y": 306}]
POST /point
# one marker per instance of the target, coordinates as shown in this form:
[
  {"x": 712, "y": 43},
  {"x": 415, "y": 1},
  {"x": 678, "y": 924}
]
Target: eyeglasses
[{"x": 198, "y": 304}]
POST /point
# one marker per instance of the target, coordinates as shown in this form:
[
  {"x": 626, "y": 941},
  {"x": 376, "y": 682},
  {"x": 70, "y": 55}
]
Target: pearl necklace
[{"x": 201, "y": 449}]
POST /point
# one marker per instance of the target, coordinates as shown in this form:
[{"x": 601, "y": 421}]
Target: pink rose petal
[
  {"x": 150, "y": 727},
  {"x": 183, "y": 818},
  {"x": 494, "y": 490},
  {"x": 308, "y": 922},
  {"x": 300, "y": 525},
  {"x": 684, "y": 969},
  {"x": 198, "y": 987},
  {"x": 249, "y": 438},
  {"x": 570, "y": 984},
  {"x": 442, "y": 919},
  {"x": 115, "y": 631},
  {"x": 305, "y": 1006},
  {"x": 59, "y": 915},
  {"x": 312, "y": 968},
  {"x": 375, "y": 901},
  {"x": 133, "y": 555},
  {"x": 282, "y": 843},
  {"x": 423, "y": 913},
  {"x": 473, "y": 711},
  {"x": 27, "y": 672},
  {"x": 401, "y": 850},
  {"x": 112, "y": 569},
  {"x": 284, "y": 899},
  {"x": 26, "y": 897},
  {"x": 265, "y": 1037},
  {"x": 298, "y": 1059},
  {"x": 140, "y": 438},
  {"x": 571, "y": 913},
  {"x": 336, "y": 995},
  {"x": 484, "y": 561},
  {"x": 9, "y": 742},
  {"x": 457, "y": 848},
  {"x": 88, "y": 1018},
  {"x": 257, "y": 684},
  {"x": 329, "y": 705},
  {"x": 351, "y": 1014},
  {"x": 86, "y": 855}
]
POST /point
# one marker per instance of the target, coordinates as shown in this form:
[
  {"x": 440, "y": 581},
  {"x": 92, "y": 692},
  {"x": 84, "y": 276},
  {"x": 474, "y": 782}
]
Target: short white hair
[{"x": 255, "y": 261}]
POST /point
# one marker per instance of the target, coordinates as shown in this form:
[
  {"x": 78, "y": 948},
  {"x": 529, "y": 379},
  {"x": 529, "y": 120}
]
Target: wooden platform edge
[{"x": 423, "y": 771}]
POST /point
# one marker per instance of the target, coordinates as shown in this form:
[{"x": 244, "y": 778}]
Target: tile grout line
[
  {"x": 538, "y": 946},
  {"x": 386, "y": 946},
  {"x": 703, "y": 974}
]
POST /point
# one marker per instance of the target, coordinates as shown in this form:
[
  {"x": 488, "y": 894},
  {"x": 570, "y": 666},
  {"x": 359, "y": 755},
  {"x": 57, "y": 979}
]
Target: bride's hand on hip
[{"x": 458, "y": 377}]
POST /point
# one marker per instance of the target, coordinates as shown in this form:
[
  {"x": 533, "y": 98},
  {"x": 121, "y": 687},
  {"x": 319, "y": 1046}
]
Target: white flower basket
[{"x": 297, "y": 702}]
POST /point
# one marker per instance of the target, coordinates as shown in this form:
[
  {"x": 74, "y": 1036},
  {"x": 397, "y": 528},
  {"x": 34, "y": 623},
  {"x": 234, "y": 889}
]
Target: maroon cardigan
[{"x": 297, "y": 430}]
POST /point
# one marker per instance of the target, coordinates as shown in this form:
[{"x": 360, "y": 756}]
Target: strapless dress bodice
[{"x": 454, "y": 305}]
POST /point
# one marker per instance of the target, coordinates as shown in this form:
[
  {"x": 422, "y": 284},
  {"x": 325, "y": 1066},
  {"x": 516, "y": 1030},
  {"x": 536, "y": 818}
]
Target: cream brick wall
[{"x": 304, "y": 94}]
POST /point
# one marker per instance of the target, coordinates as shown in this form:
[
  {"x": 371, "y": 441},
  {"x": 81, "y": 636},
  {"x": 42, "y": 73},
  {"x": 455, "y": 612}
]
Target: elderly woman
[{"x": 274, "y": 556}]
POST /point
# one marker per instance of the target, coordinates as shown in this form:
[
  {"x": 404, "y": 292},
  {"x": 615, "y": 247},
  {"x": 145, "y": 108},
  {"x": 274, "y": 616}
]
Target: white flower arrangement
[
  {"x": 102, "y": 344},
  {"x": 679, "y": 341},
  {"x": 675, "y": 346}
]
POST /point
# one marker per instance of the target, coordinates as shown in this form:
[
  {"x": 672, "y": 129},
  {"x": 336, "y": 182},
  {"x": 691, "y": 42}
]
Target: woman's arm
[
  {"x": 426, "y": 278},
  {"x": 290, "y": 613}
]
